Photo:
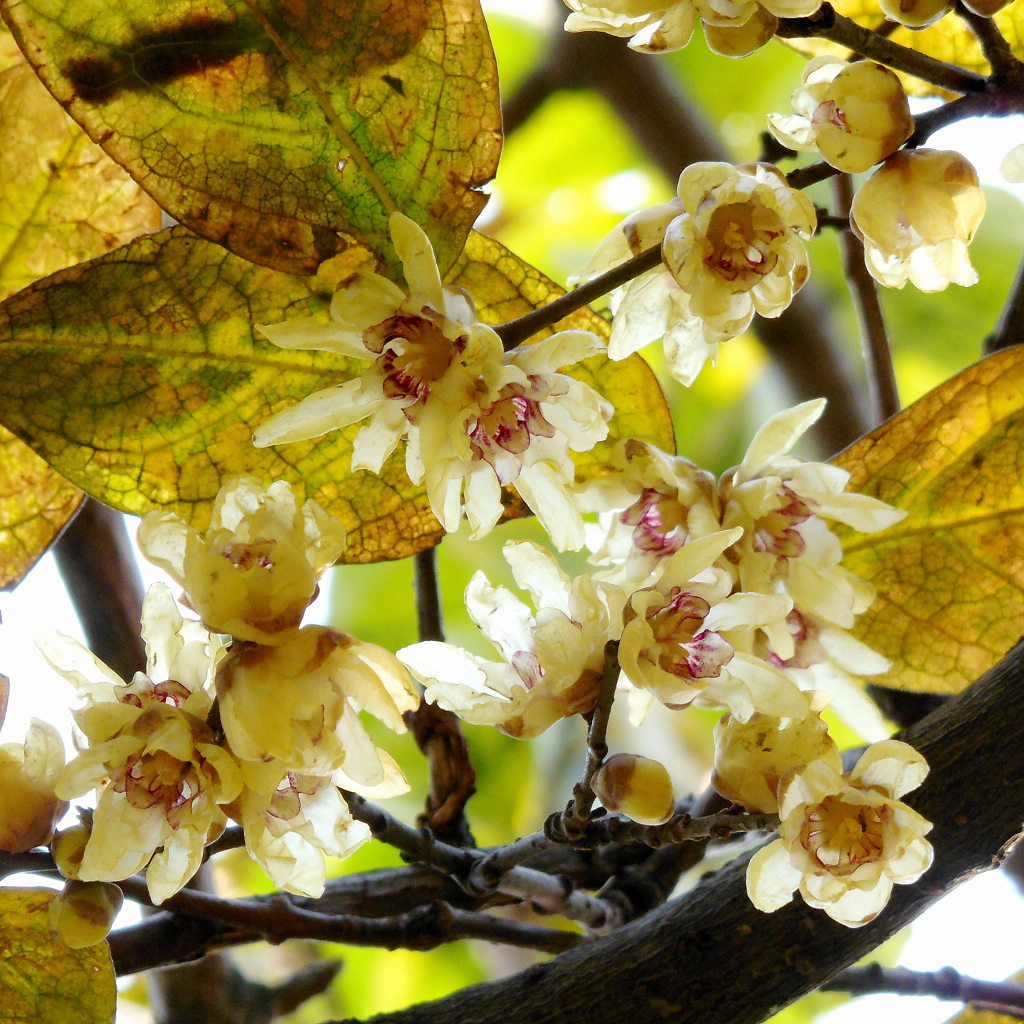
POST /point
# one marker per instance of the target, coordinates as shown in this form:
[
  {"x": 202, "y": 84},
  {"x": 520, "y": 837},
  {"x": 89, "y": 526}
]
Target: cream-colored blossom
[
  {"x": 553, "y": 659},
  {"x": 475, "y": 418},
  {"x": 161, "y": 776},
  {"x": 162, "y": 781},
  {"x": 751, "y": 757},
  {"x": 657, "y": 27},
  {"x": 736, "y": 249},
  {"x": 855, "y": 114},
  {"x": 917, "y": 215},
  {"x": 679, "y": 637},
  {"x": 29, "y": 806},
  {"x": 299, "y": 703},
  {"x": 648, "y": 508},
  {"x": 254, "y": 571},
  {"x": 731, "y": 248},
  {"x": 292, "y": 820},
  {"x": 522, "y": 435},
  {"x": 782, "y": 503},
  {"x": 845, "y": 839}
]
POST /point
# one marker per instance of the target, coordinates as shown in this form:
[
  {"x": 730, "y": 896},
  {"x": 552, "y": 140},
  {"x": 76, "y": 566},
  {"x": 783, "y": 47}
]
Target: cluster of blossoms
[
  {"x": 244, "y": 715},
  {"x": 723, "y": 594},
  {"x": 474, "y": 418}
]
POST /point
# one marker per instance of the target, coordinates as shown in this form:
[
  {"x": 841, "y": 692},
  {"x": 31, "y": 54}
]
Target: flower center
[
  {"x": 659, "y": 522},
  {"x": 684, "y": 647},
  {"x": 841, "y": 837},
  {"x": 414, "y": 354},
  {"x": 255, "y": 554},
  {"x": 741, "y": 236},
  {"x": 776, "y": 533},
  {"x": 504, "y": 431},
  {"x": 159, "y": 779}
]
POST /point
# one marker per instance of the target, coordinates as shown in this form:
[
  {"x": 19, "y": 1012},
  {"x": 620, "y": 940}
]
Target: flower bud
[
  {"x": 637, "y": 787},
  {"x": 28, "y": 772},
  {"x": 84, "y": 912},
  {"x": 917, "y": 214},
  {"x": 985, "y": 8},
  {"x": 68, "y": 848},
  {"x": 916, "y": 13},
  {"x": 741, "y": 40}
]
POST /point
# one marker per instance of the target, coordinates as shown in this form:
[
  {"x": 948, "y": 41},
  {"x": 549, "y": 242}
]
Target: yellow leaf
[
  {"x": 64, "y": 200},
  {"x": 35, "y": 503},
  {"x": 950, "y": 577},
  {"x": 139, "y": 377},
  {"x": 41, "y": 979},
  {"x": 271, "y": 127}
]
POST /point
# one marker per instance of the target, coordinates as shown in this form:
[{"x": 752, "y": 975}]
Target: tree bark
[{"x": 711, "y": 956}]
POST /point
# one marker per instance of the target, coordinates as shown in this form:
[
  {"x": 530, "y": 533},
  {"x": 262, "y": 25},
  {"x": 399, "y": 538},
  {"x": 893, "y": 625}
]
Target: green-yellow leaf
[
  {"x": 63, "y": 200},
  {"x": 35, "y": 503},
  {"x": 271, "y": 127},
  {"x": 950, "y": 577},
  {"x": 139, "y": 378},
  {"x": 42, "y": 981}
]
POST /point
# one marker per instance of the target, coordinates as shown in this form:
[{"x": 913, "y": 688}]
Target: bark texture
[{"x": 711, "y": 956}]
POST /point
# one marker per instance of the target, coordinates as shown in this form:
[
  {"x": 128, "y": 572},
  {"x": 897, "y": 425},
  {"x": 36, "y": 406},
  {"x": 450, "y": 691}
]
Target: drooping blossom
[
  {"x": 254, "y": 571},
  {"x": 751, "y": 757},
  {"x": 474, "y": 418},
  {"x": 29, "y": 805},
  {"x": 552, "y": 659},
  {"x": 299, "y": 702},
  {"x": 855, "y": 114},
  {"x": 845, "y": 840},
  {"x": 917, "y": 215}
]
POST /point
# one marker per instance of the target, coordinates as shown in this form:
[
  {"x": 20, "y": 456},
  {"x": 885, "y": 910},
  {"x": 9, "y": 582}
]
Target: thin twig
[
  {"x": 874, "y": 339},
  {"x": 557, "y": 895},
  {"x": 428, "y": 595},
  {"x": 574, "y": 819},
  {"x": 681, "y": 828},
  {"x": 1010, "y": 328},
  {"x": 827, "y": 24},
  {"x": 515, "y": 332},
  {"x": 1005, "y": 997},
  {"x": 994, "y": 44}
]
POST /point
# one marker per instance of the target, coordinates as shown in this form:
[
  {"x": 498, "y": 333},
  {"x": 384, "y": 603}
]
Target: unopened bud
[
  {"x": 985, "y": 8},
  {"x": 68, "y": 848},
  {"x": 741, "y": 40},
  {"x": 637, "y": 787},
  {"x": 916, "y": 13},
  {"x": 84, "y": 912}
]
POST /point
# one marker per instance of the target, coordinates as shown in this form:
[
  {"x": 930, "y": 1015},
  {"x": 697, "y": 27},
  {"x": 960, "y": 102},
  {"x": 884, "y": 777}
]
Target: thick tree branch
[{"x": 680, "y": 961}]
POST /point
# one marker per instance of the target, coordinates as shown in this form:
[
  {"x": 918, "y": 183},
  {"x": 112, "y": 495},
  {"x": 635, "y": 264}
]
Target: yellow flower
[
  {"x": 28, "y": 773},
  {"x": 299, "y": 703},
  {"x": 254, "y": 572},
  {"x": 475, "y": 418},
  {"x": 657, "y": 27},
  {"x": 917, "y": 214},
  {"x": 854, "y": 114},
  {"x": 552, "y": 659},
  {"x": 845, "y": 839},
  {"x": 751, "y": 757}
]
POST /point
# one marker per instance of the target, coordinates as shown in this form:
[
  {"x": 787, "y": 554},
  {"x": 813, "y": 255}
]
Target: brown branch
[
  {"x": 572, "y": 822},
  {"x": 825, "y": 23},
  {"x": 885, "y": 394},
  {"x": 994, "y": 44},
  {"x": 1005, "y": 997},
  {"x": 1010, "y": 328},
  {"x": 95, "y": 560},
  {"x": 680, "y": 960},
  {"x": 437, "y": 732}
]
